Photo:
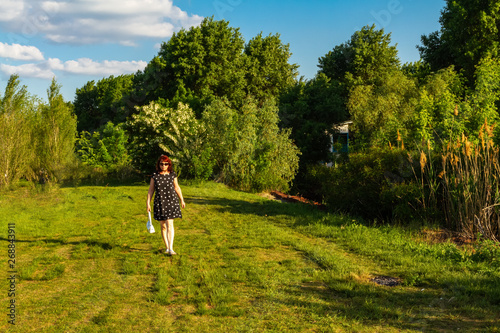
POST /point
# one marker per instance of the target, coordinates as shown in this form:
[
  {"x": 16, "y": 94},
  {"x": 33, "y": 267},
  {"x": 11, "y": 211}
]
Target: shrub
[
  {"x": 105, "y": 148},
  {"x": 251, "y": 152},
  {"x": 157, "y": 130},
  {"x": 378, "y": 184}
]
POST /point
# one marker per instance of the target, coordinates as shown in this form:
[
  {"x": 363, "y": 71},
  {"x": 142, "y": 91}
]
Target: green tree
[
  {"x": 220, "y": 121},
  {"x": 418, "y": 70},
  {"x": 56, "y": 134},
  {"x": 438, "y": 117},
  {"x": 469, "y": 32},
  {"x": 446, "y": 109},
  {"x": 379, "y": 112},
  {"x": 105, "y": 148},
  {"x": 205, "y": 62},
  {"x": 157, "y": 129},
  {"x": 150, "y": 85},
  {"x": 435, "y": 52},
  {"x": 482, "y": 103},
  {"x": 374, "y": 57},
  {"x": 365, "y": 59},
  {"x": 269, "y": 72},
  {"x": 98, "y": 103},
  {"x": 212, "y": 61},
  {"x": 337, "y": 62},
  {"x": 371, "y": 84},
  {"x": 311, "y": 109},
  {"x": 16, "y": 132},
  {"x": 251, "y": 151}
]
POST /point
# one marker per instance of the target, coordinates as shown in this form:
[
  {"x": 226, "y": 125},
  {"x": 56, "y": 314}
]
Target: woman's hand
[
  {"x": 150, "y": 194},
  {"x": 183, "y": 204}
]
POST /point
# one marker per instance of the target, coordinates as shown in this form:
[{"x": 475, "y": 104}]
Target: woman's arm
[
  {"x": 150, "y": 193},
  {"x": 179, "y": 192}
]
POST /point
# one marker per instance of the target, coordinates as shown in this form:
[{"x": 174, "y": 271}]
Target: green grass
[{"x": 86, "y": 263}]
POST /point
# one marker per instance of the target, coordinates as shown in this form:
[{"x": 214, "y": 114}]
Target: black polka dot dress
[{"x": 166, "y": 202}]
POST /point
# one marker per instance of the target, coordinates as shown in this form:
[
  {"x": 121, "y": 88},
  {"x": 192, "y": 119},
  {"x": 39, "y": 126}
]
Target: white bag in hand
[{"x": 149, "y": 225}]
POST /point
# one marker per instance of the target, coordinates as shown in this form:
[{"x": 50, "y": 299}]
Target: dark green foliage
[
  {"x": 469, "y": 32},
  {"x": 105, "y": 148},
  {"x": 435, "y": 52},
  {"x": 311, "y": 109},
  {"x": 212, "y": 61},
  {"x": 268, "y": 73},
  {"x": 379, "y": 184},
  {"x": 418, "y": 70},
  {"x": 97, "y": 104},
  {"x": 336, "y": 63},
  {"x": 198, "y": 64},
  {"x": 365, "y": 59}
]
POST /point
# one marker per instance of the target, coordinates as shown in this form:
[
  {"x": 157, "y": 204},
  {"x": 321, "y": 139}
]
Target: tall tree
[
  {"x": 469, "y": 31},
  {"x": 16, "y": 134},
  {"x": 251, "y": 151},
  {"x": 56, "y": 134},
  {"x": 364, "y": 68},
  {"x": 205, "y": 62},
  {"x": 269, "y": 72},
  {"x": 311, "y": 109},
  {"x": 365, "y": 59},
  {"x": 98, "y": 103},
  {"x": 212, "y": 61},
  {"x": 380, "y": 111}
]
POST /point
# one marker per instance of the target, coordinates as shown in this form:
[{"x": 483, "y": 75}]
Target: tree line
[{"x": 236, "y": 112}]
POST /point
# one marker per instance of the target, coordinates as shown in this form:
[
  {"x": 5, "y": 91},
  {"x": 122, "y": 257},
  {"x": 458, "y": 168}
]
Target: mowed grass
[{"x": 85, "y": 263}]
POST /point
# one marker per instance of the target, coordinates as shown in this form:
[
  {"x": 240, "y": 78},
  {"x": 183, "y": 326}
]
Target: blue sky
[{"x": 76, "y": 41}]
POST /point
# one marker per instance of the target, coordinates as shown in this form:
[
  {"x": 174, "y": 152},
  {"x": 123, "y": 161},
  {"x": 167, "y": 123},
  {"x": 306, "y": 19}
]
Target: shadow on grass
[
  {"x": 106, "y": 246},
  {"x": 259, "y": 208},
  {"x": 428, "y": 309},
  {"x": 469, "y": 304},
  {"x": 295, "y": 214}
]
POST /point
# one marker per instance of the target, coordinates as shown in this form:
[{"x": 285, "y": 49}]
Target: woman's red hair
[{"x": 164, "y": 158}]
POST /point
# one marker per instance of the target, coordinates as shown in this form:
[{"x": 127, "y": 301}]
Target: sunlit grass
[{"x": 87, "y": 264}]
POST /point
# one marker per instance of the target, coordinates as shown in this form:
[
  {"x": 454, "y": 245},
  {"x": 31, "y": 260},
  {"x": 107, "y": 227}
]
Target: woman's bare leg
[
  {"x": 170, "y": 235},
  {"x": 163, "y": 225}
]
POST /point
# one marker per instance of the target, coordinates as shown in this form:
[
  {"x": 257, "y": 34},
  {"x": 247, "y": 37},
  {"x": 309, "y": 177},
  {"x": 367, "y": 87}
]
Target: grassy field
[{"x": 85, "y": 263}]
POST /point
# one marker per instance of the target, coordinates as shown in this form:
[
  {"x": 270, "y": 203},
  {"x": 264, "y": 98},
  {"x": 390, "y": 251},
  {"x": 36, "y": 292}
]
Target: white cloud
[
  {"x": 27, "y": 71},
  {"x": 11, "y": 10},
  {"x": 20, "y": 52},
  {"x": 47, "y": 69},
  {"x": 87, "y": 66},
  {"x": 95, "y": 21}
]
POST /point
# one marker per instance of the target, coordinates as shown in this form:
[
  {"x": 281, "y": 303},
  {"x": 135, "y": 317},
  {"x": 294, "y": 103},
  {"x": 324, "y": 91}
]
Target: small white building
[{"x": 341, "y": 136}]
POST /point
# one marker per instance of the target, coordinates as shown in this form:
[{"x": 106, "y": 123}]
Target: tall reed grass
[{"x": 467, "y": 186}]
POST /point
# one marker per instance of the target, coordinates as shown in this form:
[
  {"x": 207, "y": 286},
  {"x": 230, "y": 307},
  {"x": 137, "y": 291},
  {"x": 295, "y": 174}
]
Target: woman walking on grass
[{"x": 166, "y": 204}]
